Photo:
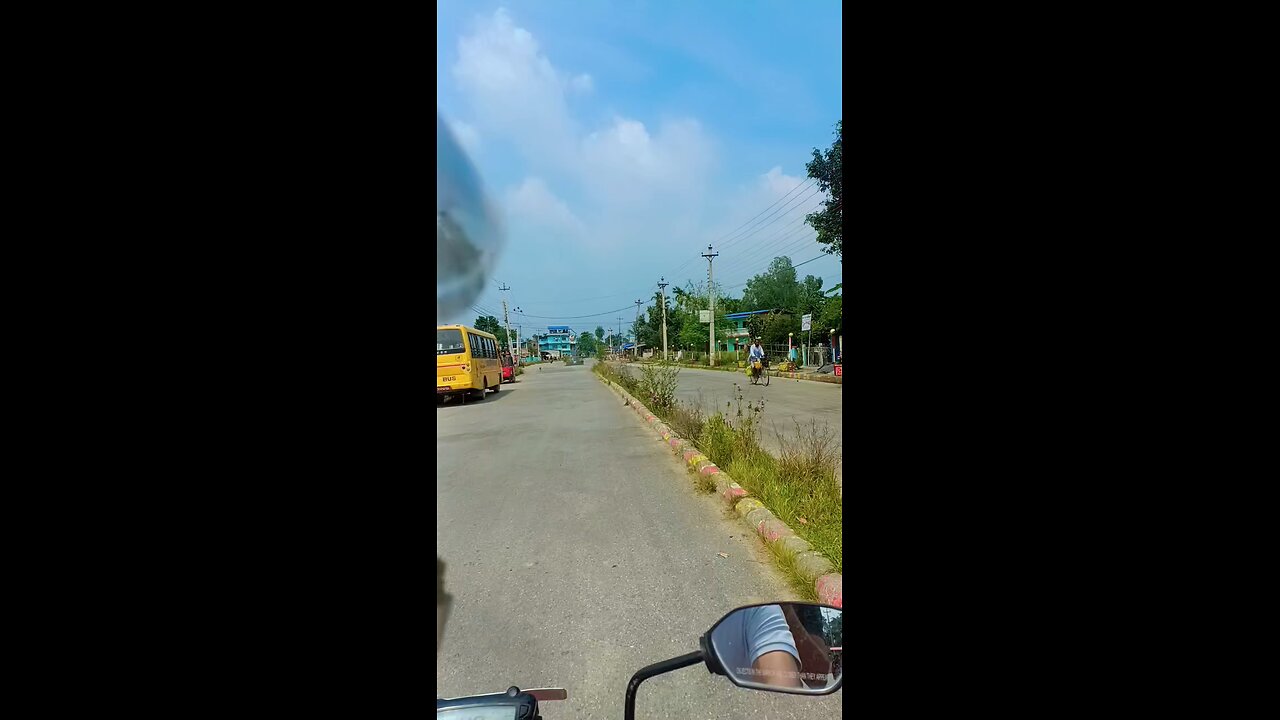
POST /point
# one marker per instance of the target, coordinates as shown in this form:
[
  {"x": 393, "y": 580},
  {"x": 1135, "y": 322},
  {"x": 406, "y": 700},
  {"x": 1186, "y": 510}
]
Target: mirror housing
[{"x": 786, "y": 647}]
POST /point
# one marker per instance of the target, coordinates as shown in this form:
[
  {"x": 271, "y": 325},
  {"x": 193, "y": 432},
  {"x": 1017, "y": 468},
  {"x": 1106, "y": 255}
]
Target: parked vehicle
[
  {"x": 508, "y": 369},
  {"x": 467, "y": 362}
]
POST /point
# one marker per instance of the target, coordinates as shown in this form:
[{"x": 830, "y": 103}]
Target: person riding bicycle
[{"x": 756, "y": 354}]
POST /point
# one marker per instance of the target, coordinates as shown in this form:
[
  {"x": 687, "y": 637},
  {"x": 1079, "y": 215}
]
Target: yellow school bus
[{"x": 467, "y": 362}]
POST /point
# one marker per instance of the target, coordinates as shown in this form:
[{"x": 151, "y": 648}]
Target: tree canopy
[
  {"x": 491, "y": 324},
  {"x": 827, "y": 169}
]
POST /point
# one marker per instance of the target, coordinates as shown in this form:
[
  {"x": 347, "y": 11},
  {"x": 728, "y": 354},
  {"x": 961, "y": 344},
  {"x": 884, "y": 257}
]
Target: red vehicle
[{"x": 508, "y": 369}]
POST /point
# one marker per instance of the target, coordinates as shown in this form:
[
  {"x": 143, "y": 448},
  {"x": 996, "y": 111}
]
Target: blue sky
[{"x": 619, "y": 139}]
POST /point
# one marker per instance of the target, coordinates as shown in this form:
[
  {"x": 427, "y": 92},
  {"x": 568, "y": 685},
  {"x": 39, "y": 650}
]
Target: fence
[
  {"x": 811, "y": 357},
  {"x": 814, "y": 356}
]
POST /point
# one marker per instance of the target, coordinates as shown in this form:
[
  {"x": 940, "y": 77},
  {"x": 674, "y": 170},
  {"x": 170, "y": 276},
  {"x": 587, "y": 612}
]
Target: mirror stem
[{"x": 658, "y": 668}]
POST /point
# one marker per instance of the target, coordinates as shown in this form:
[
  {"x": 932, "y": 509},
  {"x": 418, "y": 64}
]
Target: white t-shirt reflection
[{"x": 747, "y": 634}]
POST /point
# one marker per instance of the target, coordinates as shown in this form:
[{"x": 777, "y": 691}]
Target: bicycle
[{"x": 760, "y": 369}]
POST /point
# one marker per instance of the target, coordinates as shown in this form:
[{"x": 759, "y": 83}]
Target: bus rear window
[{"x": 448, "y": 342}]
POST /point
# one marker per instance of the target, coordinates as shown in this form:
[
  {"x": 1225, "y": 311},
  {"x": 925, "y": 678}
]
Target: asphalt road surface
[
  {"x": 579, "y": 551},
  {"x": 786, "y": 401}
]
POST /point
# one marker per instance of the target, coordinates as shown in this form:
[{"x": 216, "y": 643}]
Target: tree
[
  {"x": 490, "y": 324},
  {"x": 827, "y": 170},
  {"x": 775, "y": 288},
  {"x": 831, "y": 315},
  {"x": 684, "y": 329},
  {"x": 587, "y": 345},
  {"x": 599, "y": 333}
]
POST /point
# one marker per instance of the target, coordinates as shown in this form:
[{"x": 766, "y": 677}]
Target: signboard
[
  {"x": 806, "y": 322},
  {"x": 704, "y": 316}
]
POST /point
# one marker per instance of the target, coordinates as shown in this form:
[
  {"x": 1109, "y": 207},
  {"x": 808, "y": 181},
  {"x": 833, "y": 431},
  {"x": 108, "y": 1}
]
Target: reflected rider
[{"x": 756, "y": 644}]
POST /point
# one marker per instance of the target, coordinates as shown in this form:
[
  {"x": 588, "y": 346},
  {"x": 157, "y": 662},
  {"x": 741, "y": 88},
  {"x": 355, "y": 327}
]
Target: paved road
[
  {"x": 579, "y": 552},
  {"x": 786, "y": 400}
]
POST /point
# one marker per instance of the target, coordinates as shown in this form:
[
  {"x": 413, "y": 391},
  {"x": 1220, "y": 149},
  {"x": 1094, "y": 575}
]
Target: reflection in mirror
[{"x": 788, "y": 647}]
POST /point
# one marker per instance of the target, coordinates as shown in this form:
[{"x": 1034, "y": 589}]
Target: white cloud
[
  {"x": 533, "y": 204},
  {"x": 514, "y": 89},
  {"x": 467, "y": 136},
  {"x": 644, "y": 193}
]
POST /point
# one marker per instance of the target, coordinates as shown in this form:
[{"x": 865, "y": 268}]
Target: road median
[
  {"x": 829, "y": 378},
  {"x": 821, "y": 576}
]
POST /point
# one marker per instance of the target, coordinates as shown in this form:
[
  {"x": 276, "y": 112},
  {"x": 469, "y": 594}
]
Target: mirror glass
[{"x": 784, "y": 647}]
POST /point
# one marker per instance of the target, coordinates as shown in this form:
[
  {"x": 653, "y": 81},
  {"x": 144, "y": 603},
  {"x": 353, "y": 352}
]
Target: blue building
[
  {"x": 559, "y": 339},
  {"x": 739, "y": 335}
]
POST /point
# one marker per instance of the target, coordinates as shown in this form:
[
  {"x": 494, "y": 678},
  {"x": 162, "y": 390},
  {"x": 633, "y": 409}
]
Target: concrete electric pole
[
  {"x": 511, "y": 347},
  {"x": 711, "y": 291},
  {"x": 637, "y": 328},
  {"x": 662, "y": 288}
]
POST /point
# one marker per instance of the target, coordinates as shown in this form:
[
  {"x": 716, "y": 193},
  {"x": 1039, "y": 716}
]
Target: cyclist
[{"x": 756, "y": 355}]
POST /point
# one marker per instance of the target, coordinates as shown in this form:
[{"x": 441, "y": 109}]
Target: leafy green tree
[
  {"x": 587, "y": 345},
  {"x": 837, "y": 631},
  {"x": 599, "y": 333},
  {"x": 774, "y": 289},
  {"x": 684, "y": 329},
  {"x": 487, "y": 323},
  {"x": 831, "y": 315},
  {"x": 491, "y": 324},
  {"x": 827, "y": 170}
]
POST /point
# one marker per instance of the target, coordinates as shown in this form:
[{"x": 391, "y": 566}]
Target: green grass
[
  {"x": 798, "y": 484},
  {"x": 803, "y": 588},
  {"x": 791, "y": 497}
]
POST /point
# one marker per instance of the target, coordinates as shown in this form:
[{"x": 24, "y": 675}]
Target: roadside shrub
[
  {"x": 618, "y": 375},
  {"x": 686, "y": 418},
  {"x": 812, "y": 456},
  {"x": 658, "y": 381},
  {"x": 717, "y": 440}
]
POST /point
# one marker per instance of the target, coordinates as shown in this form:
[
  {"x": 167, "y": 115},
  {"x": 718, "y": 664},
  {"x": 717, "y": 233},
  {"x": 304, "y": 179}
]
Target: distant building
[
  {"x": 739, "y": 335},
  {"x": 560, "y": 339}
]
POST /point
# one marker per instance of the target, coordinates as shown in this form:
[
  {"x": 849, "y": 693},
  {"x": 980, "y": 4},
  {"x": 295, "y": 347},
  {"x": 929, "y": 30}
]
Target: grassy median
[{"x": 798, "y": 486}]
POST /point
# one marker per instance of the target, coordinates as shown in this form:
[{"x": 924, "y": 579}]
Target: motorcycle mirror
[{"x": 779, "y": 647}]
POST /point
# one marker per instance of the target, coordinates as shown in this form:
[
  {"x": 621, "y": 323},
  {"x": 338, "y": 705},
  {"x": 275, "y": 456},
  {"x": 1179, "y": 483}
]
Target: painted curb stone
[
  {"x": 830, "y": 590},
  {"x": 793, "y": 545},
  {"x": 758, "y": 516},
  {"x": 774, "y": 530},
  {"x": 812, "y": 565}
]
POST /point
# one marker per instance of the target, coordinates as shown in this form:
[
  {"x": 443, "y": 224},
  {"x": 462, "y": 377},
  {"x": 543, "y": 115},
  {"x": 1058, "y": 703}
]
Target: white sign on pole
[
  {"x": 704, "y": 316},
  {"x": 806, "y": 322}
]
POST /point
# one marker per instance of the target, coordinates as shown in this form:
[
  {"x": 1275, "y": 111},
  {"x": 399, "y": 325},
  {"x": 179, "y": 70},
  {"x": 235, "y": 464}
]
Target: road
[
  {"x": 787, "y": 401},
  {"x": 579, "y": 551}
]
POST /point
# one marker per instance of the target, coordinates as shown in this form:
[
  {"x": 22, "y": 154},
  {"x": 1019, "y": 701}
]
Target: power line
[
  {"x": 775, "y": 202},
  {"x": 745, "y": 224},
  {"x": 776, "y": 217},
  {"x": 575, "y": 317},
  {"x": 783, "y": 238},
  {"x": 817, "y": 258}
]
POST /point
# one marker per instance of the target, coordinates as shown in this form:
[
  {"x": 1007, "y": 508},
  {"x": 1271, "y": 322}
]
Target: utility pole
[
  {"x": 711, "y": 290},
  {"x": 662, "y": 288},
  {"x": 620, "y": 336},
  {"x": 637, "y": 328},
  {"x": 511, "y": 347}
]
